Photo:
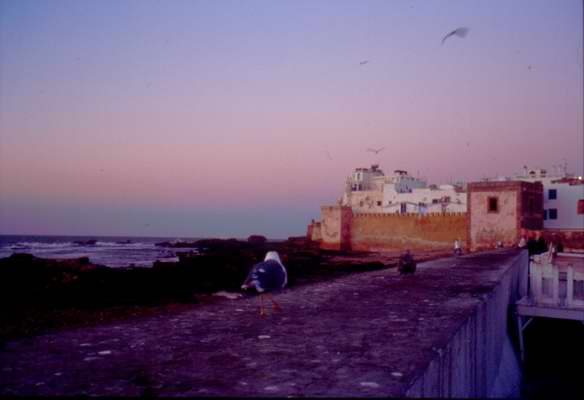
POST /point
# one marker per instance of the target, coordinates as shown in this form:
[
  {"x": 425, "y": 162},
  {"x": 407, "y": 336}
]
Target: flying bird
[
  {"x": 267, "y": 276},
  {"x": 328, "y": 155},
  {"x": 364, "y": 62},
  {"x": 376, "y": 151},
  {"x": 460, "y": 32}
]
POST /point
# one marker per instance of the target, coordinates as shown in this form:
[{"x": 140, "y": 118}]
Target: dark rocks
[
  {"x": 257, "y": 239},
  {"x": 90, "y": 242}
]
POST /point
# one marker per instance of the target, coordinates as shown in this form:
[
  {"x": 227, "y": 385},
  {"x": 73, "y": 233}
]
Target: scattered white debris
[
  {"x": 39, "y": 383},
  {"x": 251, "y": 364},
  {"x": 271, "y": 388},
  {"x": 264, "y": 337},
  {"x": 85, "y": 344},
  {"x": 239, "y": 310},
  {"x": 370, "y": 384},
  {"x": 58, "y": 373},
  {"x": 243, "y": 383},
  {"x": 228, "y": 295},
  {"x": 104, "y": 352},
  {"x": 397, "y": 374},
  {"x": 91, "y": 358}
]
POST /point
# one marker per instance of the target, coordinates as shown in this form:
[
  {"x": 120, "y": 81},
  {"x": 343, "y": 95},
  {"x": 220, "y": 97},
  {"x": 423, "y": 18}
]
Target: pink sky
[{"x": 211, "y": 116}]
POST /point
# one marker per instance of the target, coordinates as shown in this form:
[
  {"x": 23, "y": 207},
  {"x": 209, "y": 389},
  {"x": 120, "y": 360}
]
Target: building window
[
  {"x": 531, "y": 204},
  {"x": 552, "y": 194},
  {"x": 379, "y": 203},
  {"x": 580, "y": 209},
  {"x": 553, "y": 213},
  {"x": 493, "y": 204},
  {"x": 544, "y": 215},
  {"x": 403, "y": 208},
  {"x": 578, "y": 290}
]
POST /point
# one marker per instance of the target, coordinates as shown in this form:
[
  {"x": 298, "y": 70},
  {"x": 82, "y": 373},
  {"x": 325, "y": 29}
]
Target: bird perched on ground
[
  {"x": 376, "y": 151},
  {"x": 406, "y": 264},
  {"x": 267, "y": 276},
  {"x": 460, "y": 32}
]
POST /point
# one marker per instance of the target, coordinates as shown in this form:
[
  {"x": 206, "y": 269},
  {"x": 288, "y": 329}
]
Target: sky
[{"x": 206, "y": 118}]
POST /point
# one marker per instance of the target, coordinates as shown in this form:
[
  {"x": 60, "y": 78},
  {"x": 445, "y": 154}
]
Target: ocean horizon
[{"x": 111, "y": 251}]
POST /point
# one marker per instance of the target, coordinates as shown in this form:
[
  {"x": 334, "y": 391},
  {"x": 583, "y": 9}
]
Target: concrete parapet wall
[
  {"x": 376, "y": 231},
  {"x": 479, "y": 359}
]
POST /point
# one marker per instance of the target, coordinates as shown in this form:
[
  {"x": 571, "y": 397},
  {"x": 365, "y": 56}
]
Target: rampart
[{"x": 375, "y": 232}]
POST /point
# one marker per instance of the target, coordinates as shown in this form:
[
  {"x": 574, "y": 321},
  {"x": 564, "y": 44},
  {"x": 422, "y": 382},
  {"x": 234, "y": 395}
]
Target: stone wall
[
  {"x": 335, "y": 227},
  {"x": 377, "y": 232},
  {"x": 519, "y": 205},
  {"x": 480, "y": 359}
]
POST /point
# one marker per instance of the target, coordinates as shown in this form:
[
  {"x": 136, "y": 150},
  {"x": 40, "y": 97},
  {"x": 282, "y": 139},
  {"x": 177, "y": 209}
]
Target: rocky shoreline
[{"x": 39, "y": 295}]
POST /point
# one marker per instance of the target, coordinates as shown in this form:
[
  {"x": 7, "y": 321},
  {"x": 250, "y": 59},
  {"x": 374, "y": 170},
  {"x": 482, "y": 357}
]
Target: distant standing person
[
  {"x": 457, "y": 248},
  {"x": 541, "y": 244},
  {"x": 532, "y": 245}
]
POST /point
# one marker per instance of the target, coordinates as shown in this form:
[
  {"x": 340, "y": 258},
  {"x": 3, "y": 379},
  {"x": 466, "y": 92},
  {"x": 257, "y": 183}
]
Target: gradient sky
[{"x": 228, "y": 118}]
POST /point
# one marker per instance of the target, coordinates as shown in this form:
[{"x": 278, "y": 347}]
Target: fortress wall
[
  {"x": 335, "y": 227},
  {"x": 377, "y": 232},
  {"x": 480, "y": 359}
]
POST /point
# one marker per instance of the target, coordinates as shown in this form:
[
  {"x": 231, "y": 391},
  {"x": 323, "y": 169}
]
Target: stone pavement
[{"x": 368, "y": 334}]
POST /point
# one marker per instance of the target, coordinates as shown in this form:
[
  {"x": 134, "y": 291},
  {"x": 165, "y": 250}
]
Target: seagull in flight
[
  {"x": 460, "y": 32},
  {"x": 363, "y": 62},
  {"x": 376, "y": 151}
]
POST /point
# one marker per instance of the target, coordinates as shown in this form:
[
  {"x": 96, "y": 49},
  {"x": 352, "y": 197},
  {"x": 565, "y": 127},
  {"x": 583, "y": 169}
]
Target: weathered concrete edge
[{"x": 473, "y": 361}]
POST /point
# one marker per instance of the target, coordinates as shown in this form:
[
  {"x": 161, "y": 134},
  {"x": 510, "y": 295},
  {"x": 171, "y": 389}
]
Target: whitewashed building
[
  {"x": 442, "y": 198},
  {"x": 370, "y": 190},
  {"x": 563, "y": 197}
]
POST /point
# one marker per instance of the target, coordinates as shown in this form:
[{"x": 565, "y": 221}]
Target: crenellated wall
[{"x": 376, "y": 232}]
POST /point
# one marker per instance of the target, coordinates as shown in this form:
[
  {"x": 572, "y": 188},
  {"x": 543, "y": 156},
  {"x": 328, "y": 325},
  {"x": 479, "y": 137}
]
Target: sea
[{"x": 112, "y": 251}]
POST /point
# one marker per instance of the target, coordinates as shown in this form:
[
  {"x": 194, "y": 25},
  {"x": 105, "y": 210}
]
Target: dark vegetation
[{"x": 39, "y": 294}]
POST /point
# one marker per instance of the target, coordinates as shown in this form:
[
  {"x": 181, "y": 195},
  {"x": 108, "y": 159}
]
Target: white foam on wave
[{"x": 39, "y": 245}]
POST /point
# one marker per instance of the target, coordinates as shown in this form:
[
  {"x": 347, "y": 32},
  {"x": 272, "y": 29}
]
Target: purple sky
[{"x": 217, "y": 118}]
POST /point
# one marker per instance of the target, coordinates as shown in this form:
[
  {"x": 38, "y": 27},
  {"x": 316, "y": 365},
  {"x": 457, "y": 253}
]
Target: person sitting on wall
[
  {"x": 457, "y": 248},
  {"x": 406, "y": 264}
]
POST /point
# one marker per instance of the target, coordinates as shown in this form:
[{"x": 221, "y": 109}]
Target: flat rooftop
[{"x": 367, "y": 334}]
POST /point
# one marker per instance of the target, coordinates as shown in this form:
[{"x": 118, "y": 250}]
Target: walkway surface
[{"x": 368, "y": 334}]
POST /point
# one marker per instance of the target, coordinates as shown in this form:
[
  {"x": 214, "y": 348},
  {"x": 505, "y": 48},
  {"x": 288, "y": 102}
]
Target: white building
[
  {"x": 370, "y": 190},
  {"x": 443, "y": 198},
  {"x": 563, "y": 193}
]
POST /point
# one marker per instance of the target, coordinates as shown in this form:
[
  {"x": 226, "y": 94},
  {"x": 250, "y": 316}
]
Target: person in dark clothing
[
  {"x": 532, "y": 245},
  {"x": 541, "y": 244},
  {"x": 406, "y": 264}
]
